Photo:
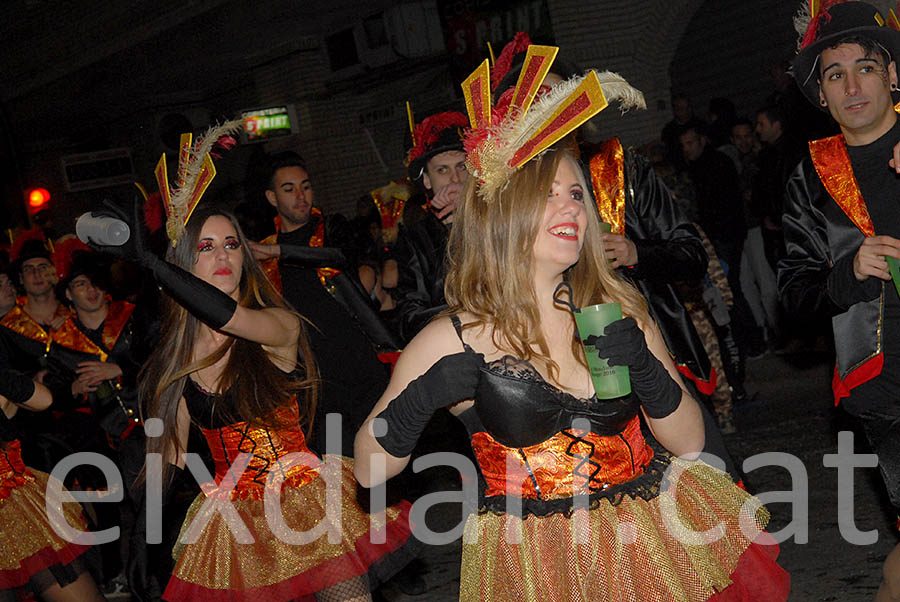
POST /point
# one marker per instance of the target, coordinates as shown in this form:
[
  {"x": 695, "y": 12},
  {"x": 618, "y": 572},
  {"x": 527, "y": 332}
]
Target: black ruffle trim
[{"x": 645, "y": 486}]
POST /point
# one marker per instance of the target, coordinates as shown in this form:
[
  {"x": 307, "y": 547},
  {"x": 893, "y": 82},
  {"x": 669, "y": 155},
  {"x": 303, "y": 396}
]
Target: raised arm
[{"x": 431, "y": 373}]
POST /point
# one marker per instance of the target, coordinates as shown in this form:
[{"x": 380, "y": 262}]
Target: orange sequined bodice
[
  {"x": 278, "y": 454},
  {"x": 568, "y": 463}
]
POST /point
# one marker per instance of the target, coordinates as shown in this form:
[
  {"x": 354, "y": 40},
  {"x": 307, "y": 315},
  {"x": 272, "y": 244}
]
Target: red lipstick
[{"x": 565, "y": 231}]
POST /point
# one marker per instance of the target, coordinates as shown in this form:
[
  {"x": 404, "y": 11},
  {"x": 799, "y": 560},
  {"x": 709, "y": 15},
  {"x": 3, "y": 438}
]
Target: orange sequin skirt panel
[
  {"x": 624, "y": 552},
  {"x": 30, "y": 545},
  {"x": 216, "y": 567}
]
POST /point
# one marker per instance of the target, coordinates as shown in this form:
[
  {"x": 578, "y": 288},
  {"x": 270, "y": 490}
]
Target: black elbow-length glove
[
  {"x": 203, "y": 300},
  {"x": 451, "y": 379},
  {"x": 15, "y": 386},
  {"x": 623, "y": 344}
]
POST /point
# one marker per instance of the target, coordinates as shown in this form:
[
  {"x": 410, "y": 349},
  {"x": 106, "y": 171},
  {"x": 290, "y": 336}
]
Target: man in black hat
[
  {"x": 25, "y": 329},
  {"x": 111, "y": 340},
  {"x": 438, "y": 163},
  {"x": 841, "y": 220}
]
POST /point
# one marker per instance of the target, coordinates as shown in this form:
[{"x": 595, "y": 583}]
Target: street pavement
[{"x": 791, "y": 411}]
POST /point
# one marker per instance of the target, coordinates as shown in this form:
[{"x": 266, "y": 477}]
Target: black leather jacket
[
  {"x": 669, "y": 251},
  {"x": 420, "y": 252},
  {"x": 816, "y": 276}
]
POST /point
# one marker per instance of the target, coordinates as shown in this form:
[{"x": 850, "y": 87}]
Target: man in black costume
[
  {"x": 841, "y": 222},
  {"x": 352, "y": 377},
  {"x": 438, "y": 162}
]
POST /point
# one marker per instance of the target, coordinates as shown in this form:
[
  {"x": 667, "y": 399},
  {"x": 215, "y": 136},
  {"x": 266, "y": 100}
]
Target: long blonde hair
[
  {"x": 491, "y": 267},
  {"x": 257, "y": 385}
]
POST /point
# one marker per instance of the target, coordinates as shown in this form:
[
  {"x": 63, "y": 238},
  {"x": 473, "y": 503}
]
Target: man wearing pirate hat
[
  {"x": 438, "y": 162},
  {"x": 841, "y": 222}
]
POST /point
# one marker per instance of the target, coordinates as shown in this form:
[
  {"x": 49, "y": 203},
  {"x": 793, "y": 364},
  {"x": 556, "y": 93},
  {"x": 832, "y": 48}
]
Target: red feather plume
[
  {"x": 821, "y": 17},
  {"x": 64, "y": 249},
  {"x": 429, "y": 131},
  {"x": 519, "y": 43},
  {"x": 23, "y": 237}
]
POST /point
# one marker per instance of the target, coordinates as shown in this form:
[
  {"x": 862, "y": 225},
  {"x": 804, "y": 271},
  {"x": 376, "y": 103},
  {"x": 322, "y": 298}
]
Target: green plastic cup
[
  {"x": 610, "y": 382},
  {"x": 894, "y": 265},
  {"x": 605, "y": 227}
]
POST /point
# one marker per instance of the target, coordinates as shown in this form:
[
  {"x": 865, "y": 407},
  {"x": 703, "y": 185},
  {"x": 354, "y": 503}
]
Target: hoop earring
[{"x": 893, "y": 87}]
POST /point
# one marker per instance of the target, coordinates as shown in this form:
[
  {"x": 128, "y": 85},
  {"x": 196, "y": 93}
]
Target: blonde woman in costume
[
  {"x": 507, "y": 361},
  {"x": 227, "y": 363}
]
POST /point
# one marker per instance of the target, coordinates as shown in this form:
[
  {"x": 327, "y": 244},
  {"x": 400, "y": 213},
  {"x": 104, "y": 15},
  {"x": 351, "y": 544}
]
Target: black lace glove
[
  {"x": 15, "y": 386},
  {"x": 623, "y": 344},
  {"x": 203, "y": 300},
  {"x": 451, "y": 379}
]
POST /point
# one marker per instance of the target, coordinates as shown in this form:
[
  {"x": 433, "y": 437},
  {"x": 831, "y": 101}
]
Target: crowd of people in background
[{"x": 693, "y": 233}]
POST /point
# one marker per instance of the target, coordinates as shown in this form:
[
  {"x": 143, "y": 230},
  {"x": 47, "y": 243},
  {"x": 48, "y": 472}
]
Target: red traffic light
[{"x": 37, "y": 198}]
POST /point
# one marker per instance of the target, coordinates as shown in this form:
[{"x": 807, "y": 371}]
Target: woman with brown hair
[
  {"x": 507, "y": 360},
  {"x": 227, "y": 363}
]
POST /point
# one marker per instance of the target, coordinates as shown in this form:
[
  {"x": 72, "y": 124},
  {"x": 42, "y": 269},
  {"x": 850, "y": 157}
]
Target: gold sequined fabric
[
  {"x": 613, "y": 553},
  {"x": 30, "y": 544},
  {"x": 832, "y": 163},
  {"x": 608, "y": 180},
  {"x": 216, "y": 567}
]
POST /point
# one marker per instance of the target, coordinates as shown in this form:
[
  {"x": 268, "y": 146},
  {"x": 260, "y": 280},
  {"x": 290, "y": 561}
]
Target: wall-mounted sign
[
  {"x": 100, "y": 169},
  {"x": 470, "y": 24}
]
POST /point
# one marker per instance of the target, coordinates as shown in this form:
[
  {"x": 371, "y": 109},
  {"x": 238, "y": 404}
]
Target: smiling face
[
  {"x": 856, "y": 88},
  {"x": 561, "y": 232},
  {"x": 84, "y": 295},
  {"x": 219, "y": 255}
]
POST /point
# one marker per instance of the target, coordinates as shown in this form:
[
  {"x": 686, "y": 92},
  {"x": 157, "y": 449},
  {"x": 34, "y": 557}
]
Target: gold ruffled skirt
[
  {"x": 625, "y": 552},
  {"x": 217, "y": 567}
]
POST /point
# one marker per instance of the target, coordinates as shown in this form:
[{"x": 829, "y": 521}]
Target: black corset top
[{"x": 519, "y": 408}]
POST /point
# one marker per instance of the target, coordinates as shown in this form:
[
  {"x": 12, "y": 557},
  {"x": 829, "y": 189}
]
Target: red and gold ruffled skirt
[
  {"x": 364, "y": 551},
  {"x": 626, "y": 552},
  {"x": 34, "y": 556}
]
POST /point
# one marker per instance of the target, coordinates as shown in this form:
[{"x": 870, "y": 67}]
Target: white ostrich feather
[
  {"x": 505, "y": 139},
  {"x": 801, "y": 21},
  {"x": 181, "y": 197}
]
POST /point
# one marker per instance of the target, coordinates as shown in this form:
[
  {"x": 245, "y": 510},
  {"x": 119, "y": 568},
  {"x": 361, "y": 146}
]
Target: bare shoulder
[{"x": 433, "y": 342}]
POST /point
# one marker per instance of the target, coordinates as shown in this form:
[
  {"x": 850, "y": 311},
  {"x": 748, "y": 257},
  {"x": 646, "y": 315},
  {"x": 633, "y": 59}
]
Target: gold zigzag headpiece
[
  {"x": 504, "y": 137},
  {"x": 195, "y": 172}
]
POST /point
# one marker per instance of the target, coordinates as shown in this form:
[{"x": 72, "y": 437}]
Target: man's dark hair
[
  {"x": 742, "y": 121},
  {"x": 700, "y": 129},
  {"x": 773, "y": 113},
  {"x": 284, "y": 159},
  {"x": 869, "y": 46}
]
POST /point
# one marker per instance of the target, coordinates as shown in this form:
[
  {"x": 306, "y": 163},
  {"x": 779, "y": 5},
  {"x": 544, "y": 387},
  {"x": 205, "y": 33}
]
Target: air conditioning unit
[{"x": 410, "y": 30}]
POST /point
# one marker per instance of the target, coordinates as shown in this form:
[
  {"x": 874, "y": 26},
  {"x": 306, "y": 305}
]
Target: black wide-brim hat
[
  {"x": 30, "y": 249},
  {"x": 85, "y": 263},
  {"x": 449, "y": 139},
  {"x": 840, "y": 21}
]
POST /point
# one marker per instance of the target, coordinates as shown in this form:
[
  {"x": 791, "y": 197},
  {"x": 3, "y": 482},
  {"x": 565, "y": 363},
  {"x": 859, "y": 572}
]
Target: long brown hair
[
  {"x": 257, "y": 386},
  {"x": 491, "y": 263}
]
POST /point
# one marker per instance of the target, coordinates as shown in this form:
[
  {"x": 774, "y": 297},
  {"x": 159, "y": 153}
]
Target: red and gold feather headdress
[
  {"x": 504, "y": 137},
  {"x": 195, "y": 172}
]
